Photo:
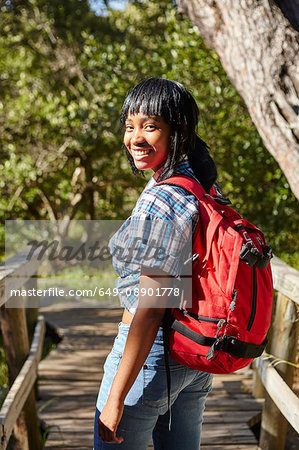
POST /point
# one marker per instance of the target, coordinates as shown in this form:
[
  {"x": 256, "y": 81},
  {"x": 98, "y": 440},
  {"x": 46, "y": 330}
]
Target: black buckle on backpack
[
  {"x": 240, "y": 349},
  {"x": 254, "y": 258},
  {"x": 220, "y": 200}
]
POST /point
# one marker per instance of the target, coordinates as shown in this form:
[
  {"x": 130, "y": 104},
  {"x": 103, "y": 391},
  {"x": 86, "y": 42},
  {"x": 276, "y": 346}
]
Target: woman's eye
[
  {"x": 150, "y": 127},
  {"x": 129, "y": 128}
]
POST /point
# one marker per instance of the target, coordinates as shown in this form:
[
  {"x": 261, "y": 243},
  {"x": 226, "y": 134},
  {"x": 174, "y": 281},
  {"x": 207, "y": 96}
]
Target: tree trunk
[{"x": 259, "y": 49}]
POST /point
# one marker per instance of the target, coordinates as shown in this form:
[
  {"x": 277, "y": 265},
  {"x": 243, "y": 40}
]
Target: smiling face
[{"x": 147, "y": 138}]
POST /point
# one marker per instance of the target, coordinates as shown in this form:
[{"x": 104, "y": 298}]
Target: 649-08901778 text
[{"x": 97, "y": 291}]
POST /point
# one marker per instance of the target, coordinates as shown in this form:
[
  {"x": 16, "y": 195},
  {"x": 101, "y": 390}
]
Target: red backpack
[{"x": 232, "y": 292}]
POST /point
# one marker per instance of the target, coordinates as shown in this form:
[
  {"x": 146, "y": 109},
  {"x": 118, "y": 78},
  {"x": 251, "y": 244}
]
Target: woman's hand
[{"x": 109, "y": 420}]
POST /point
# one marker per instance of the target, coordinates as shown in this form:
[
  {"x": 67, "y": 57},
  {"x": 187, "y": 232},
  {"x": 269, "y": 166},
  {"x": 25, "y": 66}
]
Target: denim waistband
[{"x": 123, "y": 328}]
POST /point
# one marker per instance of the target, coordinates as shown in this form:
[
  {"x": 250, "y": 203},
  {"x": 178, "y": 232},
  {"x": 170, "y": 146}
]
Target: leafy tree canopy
[{"x": 64, "y": 75}]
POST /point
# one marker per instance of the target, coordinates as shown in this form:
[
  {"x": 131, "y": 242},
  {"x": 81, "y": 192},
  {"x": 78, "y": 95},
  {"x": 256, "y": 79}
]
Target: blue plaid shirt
[{"x": 158, "y": 234}]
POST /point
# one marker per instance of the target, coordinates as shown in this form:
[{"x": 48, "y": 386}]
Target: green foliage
[
  {"x": 58, "y": 129},
  {"x": 64, "y": 75}
]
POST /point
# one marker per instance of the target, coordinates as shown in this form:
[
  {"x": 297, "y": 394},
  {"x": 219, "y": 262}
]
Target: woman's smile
[
  {"x": 147, "y": 138},
  {"x": 137, "y": 152}
]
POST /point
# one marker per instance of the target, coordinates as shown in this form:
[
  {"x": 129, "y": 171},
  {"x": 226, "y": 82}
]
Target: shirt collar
[
  {"x": 183, "y": 167},
  {"x": 158, "y": 173}
]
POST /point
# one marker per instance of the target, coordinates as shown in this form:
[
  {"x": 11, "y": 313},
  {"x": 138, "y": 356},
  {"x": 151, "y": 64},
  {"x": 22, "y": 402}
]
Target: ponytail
[{"x": 202, "y": 164}]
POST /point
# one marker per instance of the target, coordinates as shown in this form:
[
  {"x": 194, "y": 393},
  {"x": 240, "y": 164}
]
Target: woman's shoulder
[{"x": 167, "y": 201}]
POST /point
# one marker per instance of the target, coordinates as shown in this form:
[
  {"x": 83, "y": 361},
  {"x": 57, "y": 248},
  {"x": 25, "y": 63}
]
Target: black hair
[{"x": 172, "y": 101}]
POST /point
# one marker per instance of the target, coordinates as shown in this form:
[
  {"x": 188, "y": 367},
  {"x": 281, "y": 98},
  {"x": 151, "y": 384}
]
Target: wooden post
[
  {"x": 16, "y": 348},
  {"x": 258, "y": 389},
  {"x": 31, "y": 307},
  {"x": 284, "y": 345}
]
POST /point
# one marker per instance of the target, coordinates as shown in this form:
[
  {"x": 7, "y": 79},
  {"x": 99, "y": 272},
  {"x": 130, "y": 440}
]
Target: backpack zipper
[
  {"x": 203, "y": 318},
  {"x": 254, "y": 300}
]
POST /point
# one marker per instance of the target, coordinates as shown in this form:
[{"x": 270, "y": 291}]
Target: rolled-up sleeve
[{"x": 152, "y": 242}]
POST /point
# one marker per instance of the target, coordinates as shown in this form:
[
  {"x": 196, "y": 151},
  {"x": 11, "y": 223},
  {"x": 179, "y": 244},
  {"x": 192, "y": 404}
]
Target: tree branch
[{"x": 48, "y": 205}]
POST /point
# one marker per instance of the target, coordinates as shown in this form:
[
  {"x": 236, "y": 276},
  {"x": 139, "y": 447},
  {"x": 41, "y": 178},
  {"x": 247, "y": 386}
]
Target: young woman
[{"x": 160, "y": 118}]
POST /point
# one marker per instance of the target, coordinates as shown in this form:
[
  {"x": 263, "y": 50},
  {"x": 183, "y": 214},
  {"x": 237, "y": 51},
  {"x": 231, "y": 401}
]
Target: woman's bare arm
[{"x": 142, "y": 333}]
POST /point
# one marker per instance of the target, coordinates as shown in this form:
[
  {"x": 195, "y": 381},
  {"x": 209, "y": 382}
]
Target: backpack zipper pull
[
  {"x": 219, "y": 326},
  {"x": 211, "y": 351},
  {"x": 233, "y": 302},
  {"x": 192, "y": 258}
]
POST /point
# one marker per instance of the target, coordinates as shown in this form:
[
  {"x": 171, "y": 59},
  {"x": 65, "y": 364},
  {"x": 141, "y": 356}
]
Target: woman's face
[{"x": 148, "y": 140}]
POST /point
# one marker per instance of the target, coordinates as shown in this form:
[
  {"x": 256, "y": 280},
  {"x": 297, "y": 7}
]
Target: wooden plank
[
  {"x": 87, "y": 416},
  {"x": 224, "y": 403},
  {"x": 22, "y": 386},
  {"x": 223, "y": 429},
  {"x": 54, "y": 447},
  {"x": 210, "y": 416},
  {"x": 216, "y": 416},
  {"x": 57, "y": 445},
  {"x": 68, "y": 317},
  {"x": 68, "y": 387},
  {"x": 226, "y": 434},
  {"x": 211, "y": 431},
  {"x": 93, "y": 373},
  {"x": 285, "y": 399},
  {"x": 285, "y": 279},
  {"x": 71, "y": 375},
  {"x": 229, "y": 447},
  {"x": 70, "y": 392},
  {"x": 75, "y": 439},
  {"x": 67, "y": 447},
  {"x": 221, "y": 447},
  {"x": 54, "y": 417},
  {"x": 49, "y": 371}
]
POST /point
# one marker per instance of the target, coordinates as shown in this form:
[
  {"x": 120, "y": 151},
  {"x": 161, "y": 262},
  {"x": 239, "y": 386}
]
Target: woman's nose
[{"x": 138, "y": 137}]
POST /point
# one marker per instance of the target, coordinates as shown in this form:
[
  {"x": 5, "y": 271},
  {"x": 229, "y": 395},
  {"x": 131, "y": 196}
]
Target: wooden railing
[
  {"x": 20, "y": 326},
  {"x": 277, "y": 369}
]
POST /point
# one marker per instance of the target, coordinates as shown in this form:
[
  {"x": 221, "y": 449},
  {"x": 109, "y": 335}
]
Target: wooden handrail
[
  {"x": 15, "y": 271},
  {"x": 284, "y": 398},
  {"x": 285, "y": 279},
  {"x": 22, "y": 386}
]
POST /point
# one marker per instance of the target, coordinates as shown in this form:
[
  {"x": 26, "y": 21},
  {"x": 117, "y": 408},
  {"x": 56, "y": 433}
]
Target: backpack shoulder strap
[
  {"x": 187, "y": 183},
  {"x": 212, "y": 216}
]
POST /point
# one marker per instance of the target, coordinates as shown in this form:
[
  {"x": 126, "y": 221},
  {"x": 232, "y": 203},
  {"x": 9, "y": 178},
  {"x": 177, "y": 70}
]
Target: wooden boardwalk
[{"x": 70, "y": 377}]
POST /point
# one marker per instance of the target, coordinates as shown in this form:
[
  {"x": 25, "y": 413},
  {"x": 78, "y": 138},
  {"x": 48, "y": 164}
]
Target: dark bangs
[{"x": 159, "y": 97}]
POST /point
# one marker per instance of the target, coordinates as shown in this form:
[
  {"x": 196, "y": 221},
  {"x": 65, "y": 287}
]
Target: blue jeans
[{"x": 146, "y": 412}]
